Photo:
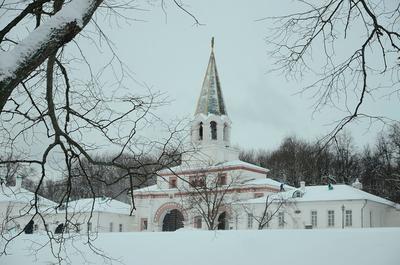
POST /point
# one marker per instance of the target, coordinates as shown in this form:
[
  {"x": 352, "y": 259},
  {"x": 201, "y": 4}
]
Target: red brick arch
[{"x": 169, "y": 206}]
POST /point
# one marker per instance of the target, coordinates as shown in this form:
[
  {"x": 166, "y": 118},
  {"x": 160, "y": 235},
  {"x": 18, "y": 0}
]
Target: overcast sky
[{"x": 170, "y": 54}]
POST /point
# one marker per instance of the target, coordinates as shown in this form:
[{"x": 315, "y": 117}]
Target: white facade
[
  {"x": 154, "y": 202},
  {"x": 212, "y": 156},
  {"x": 101, "y": 215},
  {"x": 318, "y": 207},
  {"x": 17, "y": 207},
  {"x": 85, "y": 215}
]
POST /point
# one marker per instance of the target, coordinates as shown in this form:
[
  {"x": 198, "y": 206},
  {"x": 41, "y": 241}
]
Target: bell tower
[{"x": 211, "y": 126}]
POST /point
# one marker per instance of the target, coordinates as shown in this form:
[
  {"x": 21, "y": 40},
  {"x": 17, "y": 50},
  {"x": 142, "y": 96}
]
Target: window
[
  {"x": 89, "y": 227},
  {"x": 250, "y": 220},
  {"x": 198, "y": 222},
  {"x": 120, "y": 227},
  {"x": 111, "y": 227},
  {"x": 172, "y": 182},
  {"x": 221, "y": 179},
  {"x": 314, "y": 220},
  {"x": 331, "y": 218},
  {"x": 258, "y": 195},
  {"x": 281, "y": 219},
  {"x": 201, "y": 131},
  {"x": 35, "y": 227},
  {"x": 197, "y": 181},
  {"x": 213, "y": 127},
  {"x": 192, "y": 181},
  {"x": 78, "y": 228},
  {"x": 143, "y": 224},
  {"x": 349, "y": 218}
]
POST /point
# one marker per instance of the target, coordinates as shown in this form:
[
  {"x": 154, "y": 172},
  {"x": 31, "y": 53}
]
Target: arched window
[
  {"x": 201, "y": 131},
  {"x": 213, "y": 127},
  {"x": 226, "y": 132},
  {"x": 197, "y": 222}
]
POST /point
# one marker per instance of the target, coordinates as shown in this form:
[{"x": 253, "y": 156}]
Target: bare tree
[
  {"x": 209, "y": 196},
  {"x": 345, "y": 165},
  {"x": 51, "y": 120},
  {"x": 368, "y": 66},
  {"x": 273, "y": 205}
]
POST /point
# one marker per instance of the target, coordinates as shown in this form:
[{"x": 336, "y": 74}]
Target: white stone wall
[
  {"x": 298, "y": 215},
  {"x": 100, "y": 220}
]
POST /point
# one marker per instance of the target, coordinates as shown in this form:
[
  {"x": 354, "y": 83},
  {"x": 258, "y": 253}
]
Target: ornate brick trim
[
  {"x": 228, "y": 168},
  {"x": 169, "y": 206}
]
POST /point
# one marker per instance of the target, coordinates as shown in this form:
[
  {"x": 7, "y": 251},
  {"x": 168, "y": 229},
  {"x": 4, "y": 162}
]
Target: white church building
[
  {"x": 210, "y": 189},
  {"x": 186, "y": 195}
]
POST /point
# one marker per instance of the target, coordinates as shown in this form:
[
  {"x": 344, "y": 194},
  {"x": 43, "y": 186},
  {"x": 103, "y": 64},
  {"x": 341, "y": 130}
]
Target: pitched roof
[
  {"x": 12, "y": 194},
  {"x": 99, "y": 205},
  {"x": 267, "y": 181},
  {"x": 229, "y": 165},
  {"x": 339, "y": 192},
  {"x": 211, "y": 100}
]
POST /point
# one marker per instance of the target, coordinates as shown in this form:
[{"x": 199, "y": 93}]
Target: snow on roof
[
  {"x": 252, "y": 182},
  {"x": 20, "y": 195},
  {"x": 234, "y": 247},
  {"x": 226, "y": 165},
  {"x": 266, "y": 181},
  {"x": 322, "y": 193},
  {"x": 148, "y": 189},
  {"x": 99, "y": 205}
]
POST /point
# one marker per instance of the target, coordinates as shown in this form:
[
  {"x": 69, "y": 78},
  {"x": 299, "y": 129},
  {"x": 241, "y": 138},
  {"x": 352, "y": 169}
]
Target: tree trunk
[{"x": 41, "y": 43}]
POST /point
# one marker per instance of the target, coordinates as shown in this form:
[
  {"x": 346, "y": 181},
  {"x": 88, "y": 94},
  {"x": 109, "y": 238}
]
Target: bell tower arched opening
[
  {"x": 213, "y": 127},
  {"x": 201, "y": 131}
]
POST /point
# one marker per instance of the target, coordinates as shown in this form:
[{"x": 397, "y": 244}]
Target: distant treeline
[
  {"x": 87, "y": 180},
  {"x": 376, "y": 166}
]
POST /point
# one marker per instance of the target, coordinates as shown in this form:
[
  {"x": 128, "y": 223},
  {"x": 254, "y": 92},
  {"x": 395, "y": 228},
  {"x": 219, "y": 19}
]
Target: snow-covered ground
[{"x": 287, "y": 247}]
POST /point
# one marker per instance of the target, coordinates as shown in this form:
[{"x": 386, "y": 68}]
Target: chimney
[
  {"x": 303, "y": 186},
  {"x": 357, "y": 184},
  {"x": 18, "y": 183}
]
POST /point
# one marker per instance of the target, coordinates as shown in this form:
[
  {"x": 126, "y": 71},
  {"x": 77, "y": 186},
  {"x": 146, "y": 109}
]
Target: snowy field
[{"x": 289, "y": 247}]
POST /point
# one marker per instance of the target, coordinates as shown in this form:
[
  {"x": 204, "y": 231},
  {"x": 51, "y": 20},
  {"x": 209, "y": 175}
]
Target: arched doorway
[
  {"x": 222, "y": 221},
  {"x": 173, "y": 220}
]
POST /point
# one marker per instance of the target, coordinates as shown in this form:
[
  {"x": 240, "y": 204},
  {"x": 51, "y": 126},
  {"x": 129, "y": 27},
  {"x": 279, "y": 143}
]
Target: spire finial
[{"x": 211, "y": 100}]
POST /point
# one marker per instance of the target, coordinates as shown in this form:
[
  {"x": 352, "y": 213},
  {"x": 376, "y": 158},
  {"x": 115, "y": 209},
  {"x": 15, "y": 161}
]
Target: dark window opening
[
  {"x": 172, "y": 182},
  {"x": 213, "y": 126},
  {"x": 221, "y": 179},
  {"x": 59, "y": 229},
  {"x": 197, "y": 181},
  {"x": 201, "y": 131}
]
